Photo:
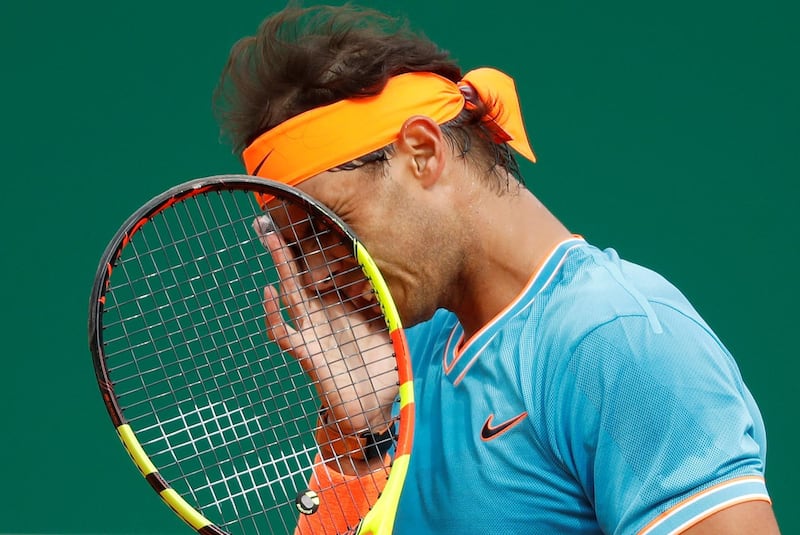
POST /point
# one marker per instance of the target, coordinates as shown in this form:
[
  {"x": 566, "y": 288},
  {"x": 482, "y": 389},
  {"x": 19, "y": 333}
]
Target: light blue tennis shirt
[{"x": 597, "y": 402}]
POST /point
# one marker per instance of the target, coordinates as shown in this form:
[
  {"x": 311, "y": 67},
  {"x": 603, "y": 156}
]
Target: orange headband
[{"x": 328, "y": 136}]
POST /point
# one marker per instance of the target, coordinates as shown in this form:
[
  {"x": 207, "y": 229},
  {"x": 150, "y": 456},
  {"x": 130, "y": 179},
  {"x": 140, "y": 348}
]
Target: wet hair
[{"x": 302, "y": 58}]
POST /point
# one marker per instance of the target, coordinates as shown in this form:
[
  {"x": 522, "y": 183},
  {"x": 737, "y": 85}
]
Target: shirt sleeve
[{"x": 657, "y": 425}]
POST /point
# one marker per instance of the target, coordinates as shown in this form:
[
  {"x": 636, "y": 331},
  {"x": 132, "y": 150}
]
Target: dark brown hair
[{"x": 303, "y": 58}]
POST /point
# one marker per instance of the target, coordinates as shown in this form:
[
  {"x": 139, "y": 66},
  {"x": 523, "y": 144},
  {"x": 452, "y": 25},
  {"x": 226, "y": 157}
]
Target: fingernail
[{"x": 263, "y": 225}]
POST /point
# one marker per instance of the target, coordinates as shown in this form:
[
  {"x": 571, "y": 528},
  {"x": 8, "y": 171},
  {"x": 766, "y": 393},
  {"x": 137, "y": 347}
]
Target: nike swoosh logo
[
  {"x": 490, "y": 431},
  {"x": 261, "y": 163}
]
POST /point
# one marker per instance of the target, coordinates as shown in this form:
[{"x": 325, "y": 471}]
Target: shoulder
[
  {"x": 596, "y": 288},
  {"x": 609, "y": 329}
]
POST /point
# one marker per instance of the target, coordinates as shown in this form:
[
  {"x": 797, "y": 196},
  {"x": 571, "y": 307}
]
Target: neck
[{"x": 510, "y": 238}]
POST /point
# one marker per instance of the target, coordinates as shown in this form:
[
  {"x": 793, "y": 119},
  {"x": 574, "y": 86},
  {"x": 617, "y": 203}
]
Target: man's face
[{"x": 378, "y": 207}]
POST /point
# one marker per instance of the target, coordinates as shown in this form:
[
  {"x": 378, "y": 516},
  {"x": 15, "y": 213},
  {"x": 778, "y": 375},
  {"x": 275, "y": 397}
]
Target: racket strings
[
  {"x": 288, "y": 468},
  {"x": 212, "y": 426},
  {"x": 229, "y": 419}
]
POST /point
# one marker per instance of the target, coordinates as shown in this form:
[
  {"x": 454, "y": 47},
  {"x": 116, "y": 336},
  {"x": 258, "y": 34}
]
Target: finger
[
  {"x": 291, "y": 284},
  {"x": 275, "y": 244},
  {"x": 278, "y": 330},
  {"x": 263, "y": 225},
  {"x": 285, "y": 264}
]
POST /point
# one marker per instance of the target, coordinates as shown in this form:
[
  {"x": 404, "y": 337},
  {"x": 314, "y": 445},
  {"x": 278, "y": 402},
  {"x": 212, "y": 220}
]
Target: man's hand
[{"x": 334, "y": 330}]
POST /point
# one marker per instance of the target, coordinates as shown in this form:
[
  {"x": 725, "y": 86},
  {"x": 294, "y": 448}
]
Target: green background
[{"x": 667, "y": 130}]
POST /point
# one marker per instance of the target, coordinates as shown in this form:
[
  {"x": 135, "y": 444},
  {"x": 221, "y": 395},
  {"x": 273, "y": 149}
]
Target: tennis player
[{"x": 559, "y": 388}]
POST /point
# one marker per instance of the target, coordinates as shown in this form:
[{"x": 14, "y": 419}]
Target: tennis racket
[{"x": 234, "y": 323}]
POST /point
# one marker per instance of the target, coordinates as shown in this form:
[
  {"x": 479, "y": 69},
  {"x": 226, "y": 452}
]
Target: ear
[{"x": 422, "y": 144}]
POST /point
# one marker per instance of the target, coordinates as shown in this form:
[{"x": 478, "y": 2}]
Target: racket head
[{"x": 219, "y": 420}]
